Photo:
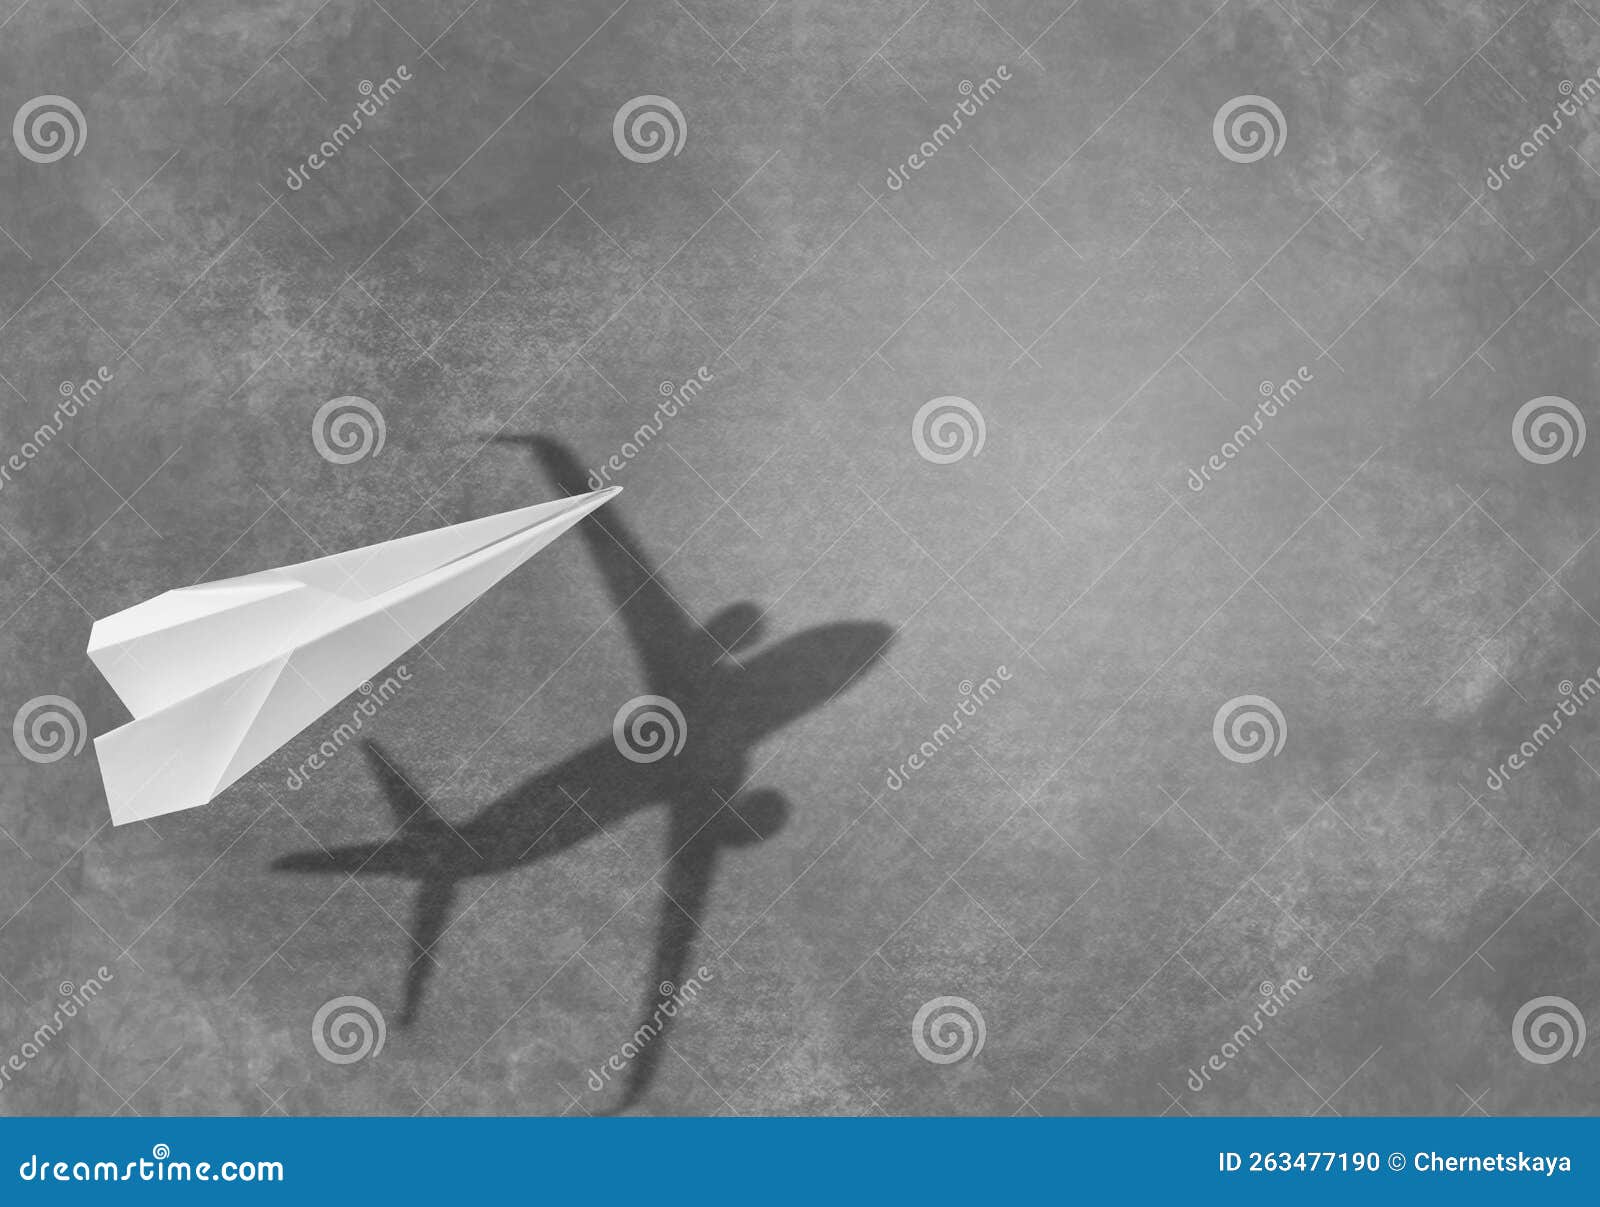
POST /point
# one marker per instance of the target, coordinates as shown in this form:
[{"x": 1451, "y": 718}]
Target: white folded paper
[{"x": 220, "y": 675}]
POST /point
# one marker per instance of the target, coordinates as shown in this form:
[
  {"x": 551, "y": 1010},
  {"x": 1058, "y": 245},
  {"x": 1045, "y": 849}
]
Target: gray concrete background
[{"x": 1085, "y": 266}]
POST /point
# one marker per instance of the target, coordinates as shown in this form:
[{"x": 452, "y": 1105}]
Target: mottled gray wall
[{"x": 1406, "y": 575}]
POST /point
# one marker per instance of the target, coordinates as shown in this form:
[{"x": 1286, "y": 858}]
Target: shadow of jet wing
[
  {"x": 687, "y": 886},
  {"x": 696, "y": 847},
  {"x": 429, "y": 919}
]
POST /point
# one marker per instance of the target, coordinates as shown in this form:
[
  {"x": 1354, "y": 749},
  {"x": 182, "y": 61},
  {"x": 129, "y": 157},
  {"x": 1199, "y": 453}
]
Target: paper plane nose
[{"x": 594, "y": 498}]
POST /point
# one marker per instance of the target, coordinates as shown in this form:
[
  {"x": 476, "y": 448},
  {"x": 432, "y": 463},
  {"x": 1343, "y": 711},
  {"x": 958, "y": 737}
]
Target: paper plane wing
[{"x": 220, "y": 675}]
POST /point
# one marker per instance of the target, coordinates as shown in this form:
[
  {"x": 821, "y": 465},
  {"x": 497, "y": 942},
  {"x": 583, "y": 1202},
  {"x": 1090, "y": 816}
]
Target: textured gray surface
[{"x": 1081, "y": 262}]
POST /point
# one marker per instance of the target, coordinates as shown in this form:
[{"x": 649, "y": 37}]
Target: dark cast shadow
[{"x": 731, "y": 694}]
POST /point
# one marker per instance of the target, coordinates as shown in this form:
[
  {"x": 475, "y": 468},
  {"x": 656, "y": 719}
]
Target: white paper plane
[{"x": 220, "y": 675}]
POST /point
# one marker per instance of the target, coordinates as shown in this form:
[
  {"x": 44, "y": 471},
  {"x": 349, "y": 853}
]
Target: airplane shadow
[{"x": 730, "y": 693}]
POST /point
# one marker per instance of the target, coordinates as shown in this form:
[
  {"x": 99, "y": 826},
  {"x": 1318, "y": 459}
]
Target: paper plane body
[{"x": 220, "y": 675}]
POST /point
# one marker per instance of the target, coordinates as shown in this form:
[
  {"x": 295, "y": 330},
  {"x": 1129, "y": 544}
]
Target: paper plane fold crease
[{"x": 220, "y": 675}]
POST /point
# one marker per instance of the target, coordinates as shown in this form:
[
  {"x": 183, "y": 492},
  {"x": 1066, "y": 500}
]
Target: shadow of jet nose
[
  {"x": 801, "y": 672},
  {"x": 845, "y": 639}
]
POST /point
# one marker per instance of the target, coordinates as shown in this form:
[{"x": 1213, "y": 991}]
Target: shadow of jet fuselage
[{"x": 730, "y": 700}]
